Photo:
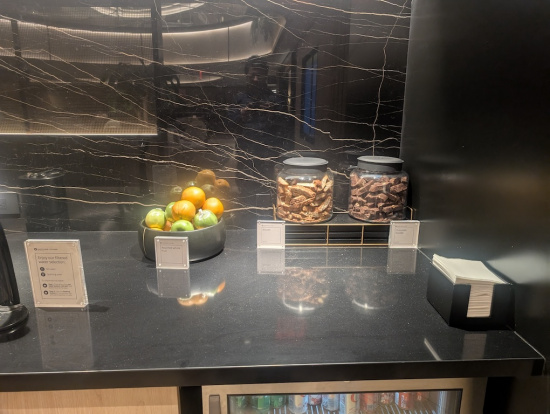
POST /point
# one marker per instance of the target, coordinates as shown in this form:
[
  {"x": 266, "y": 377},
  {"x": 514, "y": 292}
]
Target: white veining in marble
[{"x": 126, "y": 109}]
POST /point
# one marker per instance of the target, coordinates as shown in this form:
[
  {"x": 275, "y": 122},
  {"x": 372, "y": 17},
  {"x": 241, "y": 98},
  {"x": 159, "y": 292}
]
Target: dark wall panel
[{"x": 476, "y": 141}]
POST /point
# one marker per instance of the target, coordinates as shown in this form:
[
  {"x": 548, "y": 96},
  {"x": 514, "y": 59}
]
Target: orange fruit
[
  {"x": 214, "y": 205},
  {"x": 205, "y": 177},
  {"x": 183, "y": 210},
  {"x": 221, "y": 183},
  {"x": 195, "y": 195},
  {"x": 167, "y": 226}
]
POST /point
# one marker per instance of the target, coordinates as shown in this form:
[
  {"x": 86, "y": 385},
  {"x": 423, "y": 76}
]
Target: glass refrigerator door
[{"x": 441, "y": 396}]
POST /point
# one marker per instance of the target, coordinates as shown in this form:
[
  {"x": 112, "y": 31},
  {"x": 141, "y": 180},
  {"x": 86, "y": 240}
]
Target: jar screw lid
[
  {"x": 305, "y": 162},
  {"x": 379, "y": 163}
]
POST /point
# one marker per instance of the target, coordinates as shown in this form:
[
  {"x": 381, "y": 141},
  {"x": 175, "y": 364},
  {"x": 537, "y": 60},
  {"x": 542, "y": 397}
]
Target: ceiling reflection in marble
[{"x": 126, "y": 100}]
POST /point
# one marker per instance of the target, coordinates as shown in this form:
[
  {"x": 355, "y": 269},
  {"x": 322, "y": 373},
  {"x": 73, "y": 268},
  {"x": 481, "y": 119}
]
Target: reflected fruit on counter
[
  {"x": 201, "y": 298},
  {"x": 221, "y": 287},
  {"x": 195, "y": 300}
]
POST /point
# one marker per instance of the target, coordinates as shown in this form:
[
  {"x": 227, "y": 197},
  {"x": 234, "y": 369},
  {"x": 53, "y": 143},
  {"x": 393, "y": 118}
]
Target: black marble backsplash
[{"x": 108, "y": 105}]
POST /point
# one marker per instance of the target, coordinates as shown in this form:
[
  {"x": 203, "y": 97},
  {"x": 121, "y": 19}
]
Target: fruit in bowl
[
  {"x": 203, "y": 243},
  {"x": 214, "y": 205},
  {"x": 193, "y": 216},
  {"x": 182, "y": 215},
  {"x": 183, "y": 210},
  {"x": 182, "y": 225},
  {"x": 155, "y": 219},
  {"x": 204, "y": 218},
  {"x": 168, "y": 212},
  {"x": 194, "y": 195}
]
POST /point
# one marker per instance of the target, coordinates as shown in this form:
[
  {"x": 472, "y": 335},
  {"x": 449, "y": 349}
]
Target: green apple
[
  {"x": 182, "y": 225},
  {"x": 204, "y": 218},
  {"x": 155, "y": 219},
  {"x": 168, "y": 212}
]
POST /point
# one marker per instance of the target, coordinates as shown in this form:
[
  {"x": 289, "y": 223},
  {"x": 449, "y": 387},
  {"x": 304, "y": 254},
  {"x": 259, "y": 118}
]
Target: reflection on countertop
[
  {"x": 371, "y": 289},
  {"x": 303, "y": 290},
  {"x": 187, "y": 290}
]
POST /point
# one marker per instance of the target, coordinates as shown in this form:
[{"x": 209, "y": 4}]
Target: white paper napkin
[{"x": 474, "y": 273}]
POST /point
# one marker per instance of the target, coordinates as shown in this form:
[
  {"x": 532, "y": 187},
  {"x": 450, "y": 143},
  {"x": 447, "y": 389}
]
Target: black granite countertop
[{"x": 330, "y": 313}]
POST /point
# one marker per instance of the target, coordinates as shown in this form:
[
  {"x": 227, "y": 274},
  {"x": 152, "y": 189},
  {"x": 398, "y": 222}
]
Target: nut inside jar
[
  {"x": 303, "y": 201},
  {"x": 378, "y": 198}
]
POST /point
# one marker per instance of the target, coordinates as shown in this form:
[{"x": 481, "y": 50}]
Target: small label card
[
  {"x": 57, "y": 274},
  {"x": 172, "y": 252},
  {"x": 404, "y": 234},
  {"x": 271, "y": 234}
]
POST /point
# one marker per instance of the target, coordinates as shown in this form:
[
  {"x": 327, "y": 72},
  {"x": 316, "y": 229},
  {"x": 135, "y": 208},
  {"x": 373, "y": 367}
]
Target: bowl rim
[{"x": 220, "y": 221}]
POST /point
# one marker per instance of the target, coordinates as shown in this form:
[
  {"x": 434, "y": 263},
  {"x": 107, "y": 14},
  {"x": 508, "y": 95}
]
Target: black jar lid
[
  {"x": 379, "y": 163},
  {"x": 306, "y": 162}
]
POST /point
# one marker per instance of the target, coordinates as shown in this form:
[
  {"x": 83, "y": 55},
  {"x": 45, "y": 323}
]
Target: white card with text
[
  {"x": 404, "y": 234},
  {"x": 57, "y": 273},
  {"x": 271, "y": 234},
  {"x": 172, "y": 252}
]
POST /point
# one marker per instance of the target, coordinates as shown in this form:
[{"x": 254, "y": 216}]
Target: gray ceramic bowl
[{"x": 203, "y": 243}]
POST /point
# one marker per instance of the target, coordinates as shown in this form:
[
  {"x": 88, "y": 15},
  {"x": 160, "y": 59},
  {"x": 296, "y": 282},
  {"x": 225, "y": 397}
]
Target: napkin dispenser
[{"x": 451, "y": 302}]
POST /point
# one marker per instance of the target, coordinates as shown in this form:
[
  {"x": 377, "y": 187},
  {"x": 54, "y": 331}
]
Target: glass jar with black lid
[
  {"x": 305, "y": 189},
  {"x": 378, "y": 189}
]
